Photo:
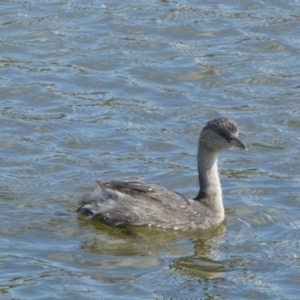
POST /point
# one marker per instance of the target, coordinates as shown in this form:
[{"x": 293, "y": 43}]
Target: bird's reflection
[{"x": 199, "y": 259}]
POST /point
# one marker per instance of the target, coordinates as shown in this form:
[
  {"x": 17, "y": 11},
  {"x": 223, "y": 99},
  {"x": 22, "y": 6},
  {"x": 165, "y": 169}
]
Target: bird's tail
[{"x": 97, "y": 202}]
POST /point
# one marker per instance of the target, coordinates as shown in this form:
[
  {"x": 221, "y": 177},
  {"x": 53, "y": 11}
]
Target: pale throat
[{"x": 209, "y": 181}]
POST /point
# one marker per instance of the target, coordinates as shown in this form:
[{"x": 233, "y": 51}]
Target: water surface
[{"x": 121, "y": 89}]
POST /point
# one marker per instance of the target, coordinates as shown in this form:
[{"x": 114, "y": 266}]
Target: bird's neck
[{"x": 210, "y": 193}]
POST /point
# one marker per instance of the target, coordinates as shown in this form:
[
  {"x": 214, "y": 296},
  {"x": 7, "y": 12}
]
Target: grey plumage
[{"x": 135, "y": 202}]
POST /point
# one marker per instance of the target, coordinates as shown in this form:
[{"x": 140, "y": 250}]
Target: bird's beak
[{"x": 237, "y": 143}]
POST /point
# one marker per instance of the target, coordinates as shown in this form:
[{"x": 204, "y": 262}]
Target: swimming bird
[{"x": 135, "y": 202}]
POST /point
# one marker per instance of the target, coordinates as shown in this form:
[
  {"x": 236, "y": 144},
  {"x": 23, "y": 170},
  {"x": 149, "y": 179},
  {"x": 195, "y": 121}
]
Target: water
[{"x": 120, "y": 89}]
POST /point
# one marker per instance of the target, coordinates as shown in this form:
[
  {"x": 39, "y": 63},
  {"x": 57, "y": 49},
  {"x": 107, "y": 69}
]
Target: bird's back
[{"x": 135, "y": 202}]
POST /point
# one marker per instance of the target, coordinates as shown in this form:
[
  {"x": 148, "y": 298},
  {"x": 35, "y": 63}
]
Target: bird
[{"x": 121, "y": 203}]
